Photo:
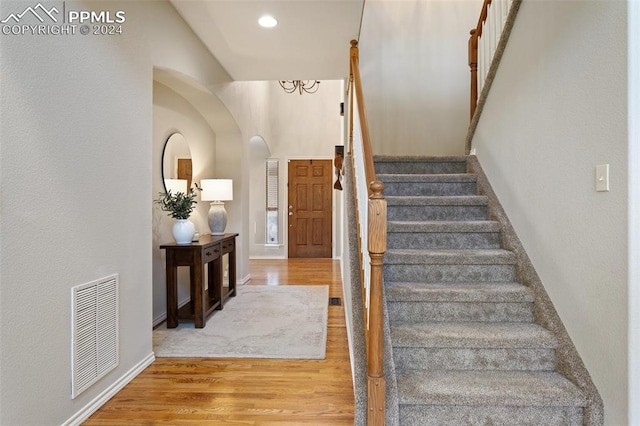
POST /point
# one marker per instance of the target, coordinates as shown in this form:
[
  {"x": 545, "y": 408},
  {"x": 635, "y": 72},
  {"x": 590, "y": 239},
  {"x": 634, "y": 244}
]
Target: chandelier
[{"x": 309, "y": 86}]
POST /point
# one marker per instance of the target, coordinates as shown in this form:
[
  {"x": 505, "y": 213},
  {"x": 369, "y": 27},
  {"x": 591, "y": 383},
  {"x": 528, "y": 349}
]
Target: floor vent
[
  {"x": 335, "y": 301},
  {"x": 94, "y": 319}
]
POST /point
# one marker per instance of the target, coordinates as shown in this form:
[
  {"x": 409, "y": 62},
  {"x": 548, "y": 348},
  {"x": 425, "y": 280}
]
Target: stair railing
[
  {"x": 372, "y": 237},
  {"x": 484, "y": 41}
]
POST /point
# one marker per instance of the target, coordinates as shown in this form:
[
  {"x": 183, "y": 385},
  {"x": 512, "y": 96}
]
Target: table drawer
[
  {"x": 211, "y": 253},
  {"x": 228, "y": 246}
]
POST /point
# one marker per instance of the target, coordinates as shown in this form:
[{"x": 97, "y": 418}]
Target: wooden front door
[
  {"x": 309, "y": 208},
  {"x": 185, "y": 171}
]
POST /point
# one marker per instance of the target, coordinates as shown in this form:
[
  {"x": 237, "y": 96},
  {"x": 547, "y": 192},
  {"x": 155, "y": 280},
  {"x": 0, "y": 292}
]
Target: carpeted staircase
[{"x": 465, "y": 348}]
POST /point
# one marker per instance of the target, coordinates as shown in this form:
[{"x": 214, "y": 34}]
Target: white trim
[
  {"x": 109, "y": 392},
  {"x": 157, "y": 320},
  {"x": 243, "y": 281},
  {"x": 266, "y": 257},
  {"x": 163, "y": 316}
]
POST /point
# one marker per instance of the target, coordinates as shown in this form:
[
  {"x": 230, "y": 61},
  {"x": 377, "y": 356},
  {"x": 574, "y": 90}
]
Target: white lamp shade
[
  {"x": 176, "y": 185},
  {"x": 217, "y": 189}
]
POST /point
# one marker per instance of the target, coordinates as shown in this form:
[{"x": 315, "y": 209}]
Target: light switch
[{"x": 602, "y": 177}]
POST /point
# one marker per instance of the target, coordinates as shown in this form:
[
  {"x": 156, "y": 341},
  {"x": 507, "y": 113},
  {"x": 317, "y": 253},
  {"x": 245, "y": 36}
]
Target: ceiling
[{"x": 311, "y": 41}]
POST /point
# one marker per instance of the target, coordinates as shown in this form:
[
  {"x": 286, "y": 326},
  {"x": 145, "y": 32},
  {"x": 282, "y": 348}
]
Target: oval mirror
[{"x": 176, "y": 164}]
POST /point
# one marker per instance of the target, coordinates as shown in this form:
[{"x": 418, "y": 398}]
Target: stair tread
[
  {"x": 427, "y": 177},
  {"x": 494, "y": 335},
  {"x": 418, "y": 159},
  {"x": 437, "y": 200},
  {"x": 450, "y": 257},
  {"x": 457, "y": 292},
  {"x": 443, "y": 226},
  {"x": 490, "y": 388}
]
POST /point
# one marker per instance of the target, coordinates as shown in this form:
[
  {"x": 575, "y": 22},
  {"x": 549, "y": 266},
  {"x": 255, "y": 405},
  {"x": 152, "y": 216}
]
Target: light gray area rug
[{"x": 261, "y": 322}]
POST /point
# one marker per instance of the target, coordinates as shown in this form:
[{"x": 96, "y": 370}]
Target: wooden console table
[{"x": 209, "y": 250}]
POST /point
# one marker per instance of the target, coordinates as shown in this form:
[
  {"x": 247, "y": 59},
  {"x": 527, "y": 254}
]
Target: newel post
[
  {"x": 377, "y": 247},
  {"x": 473, "y": 65}
]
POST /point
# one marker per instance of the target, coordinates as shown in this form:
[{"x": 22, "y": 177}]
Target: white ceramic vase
[{"x": 183, "y": 231}]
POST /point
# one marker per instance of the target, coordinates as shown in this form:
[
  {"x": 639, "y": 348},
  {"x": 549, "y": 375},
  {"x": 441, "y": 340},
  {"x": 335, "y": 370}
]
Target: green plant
[{"x": 179, "y": 205}]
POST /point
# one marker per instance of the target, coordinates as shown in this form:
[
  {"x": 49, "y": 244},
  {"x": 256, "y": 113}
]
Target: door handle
[{"x": 290, "y": 213}]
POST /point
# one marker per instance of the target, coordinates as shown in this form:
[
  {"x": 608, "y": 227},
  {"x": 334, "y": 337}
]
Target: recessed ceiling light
[{"x": 267, "y": 21}]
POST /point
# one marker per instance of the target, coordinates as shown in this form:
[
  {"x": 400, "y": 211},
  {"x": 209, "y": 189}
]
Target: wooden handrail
[
  {"x": 476, "y": 33},
  {"x": 377, "y": 246},
  {"x": 370, "y": 172}
]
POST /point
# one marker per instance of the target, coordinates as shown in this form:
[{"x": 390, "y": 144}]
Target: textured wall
[
  {"x": 76, "y": 182},
  {"x": 557, "y": 108}
]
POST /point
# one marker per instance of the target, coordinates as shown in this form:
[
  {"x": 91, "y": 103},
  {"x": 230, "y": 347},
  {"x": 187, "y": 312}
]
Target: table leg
[
  {"x": 213, "y": 296},
  {"x": 172, "y": 291},
  {"x": 216, "y": 273},
  {"x": 232, "y": 272},
  {"x": 197, "y": 278}
]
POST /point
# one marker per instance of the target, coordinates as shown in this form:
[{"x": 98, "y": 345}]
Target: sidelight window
[{"x": 272, "y": 216}]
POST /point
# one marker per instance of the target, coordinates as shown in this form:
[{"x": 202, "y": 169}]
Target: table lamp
[{"x": 217, "y": 191}]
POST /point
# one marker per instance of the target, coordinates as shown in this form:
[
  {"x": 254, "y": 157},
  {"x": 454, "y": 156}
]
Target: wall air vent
[{"x": 94, "y": 317}]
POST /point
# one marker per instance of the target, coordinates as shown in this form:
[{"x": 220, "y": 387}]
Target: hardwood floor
[{"x": 216, "y": 391}]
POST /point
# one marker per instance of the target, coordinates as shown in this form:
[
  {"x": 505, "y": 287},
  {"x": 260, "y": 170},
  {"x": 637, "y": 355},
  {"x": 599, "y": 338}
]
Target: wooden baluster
[
  {"x": 473, "y": 65},
  {"x": 377, "y": 248}
]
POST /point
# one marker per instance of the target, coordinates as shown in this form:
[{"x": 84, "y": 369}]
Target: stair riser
[
  {"x": 443, "y": 240},
  {"x": 435, "y": 415},
  {"x": 430, "y": 188},
  {"x": 420, "y": 168},
  {"x": 466, "y": 311},
  {"x": 425, "y": 213},
  {"x": 474, "y": 359},
  {"x": 449, "y": 273}
]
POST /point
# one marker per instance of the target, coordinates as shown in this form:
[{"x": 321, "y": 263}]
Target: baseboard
[
  {"x": 108, "y": 393},
  {"x": 281, "y": 257},
  {"x": 243, "y": 281},
  {"x": 163, "y": 316}
]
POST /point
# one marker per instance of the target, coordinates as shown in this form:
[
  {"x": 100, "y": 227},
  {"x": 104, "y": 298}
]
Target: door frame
[{"x": 285, "y": 210}]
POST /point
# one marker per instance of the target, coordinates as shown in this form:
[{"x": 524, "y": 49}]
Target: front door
[
  {"x": 309, "y": 208},
  {"x": 185, "y": 171}
]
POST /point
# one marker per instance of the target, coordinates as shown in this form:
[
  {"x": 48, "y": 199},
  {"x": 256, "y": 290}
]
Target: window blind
[{"x": 272, "y": 185}]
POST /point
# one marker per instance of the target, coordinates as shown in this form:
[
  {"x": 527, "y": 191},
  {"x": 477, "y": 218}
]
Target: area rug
[{"x": 260, "y": 322}]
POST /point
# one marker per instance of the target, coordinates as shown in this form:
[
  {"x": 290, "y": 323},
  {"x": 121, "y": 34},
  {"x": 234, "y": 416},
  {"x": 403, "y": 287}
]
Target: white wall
[
  {"x": 413, "y": 60},
  {"x": 301, "y": 127},
  {"x": 76, "y": 184},
  {"x": 557, "y": 108},
  {"x": 247, "y": 101}
]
